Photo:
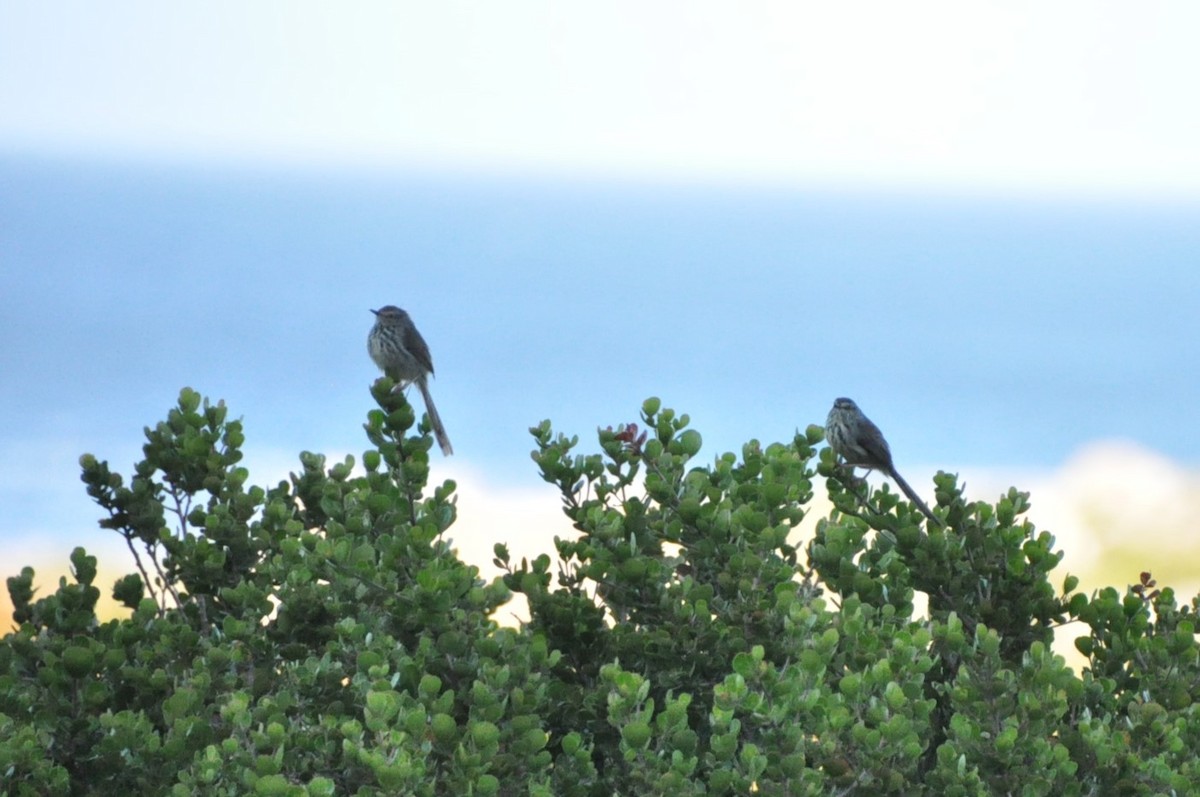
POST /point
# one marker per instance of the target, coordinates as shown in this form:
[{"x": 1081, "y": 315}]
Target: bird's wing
[
  {"x": 873, "y": 442},
  {"x": 417, "y": 347}
]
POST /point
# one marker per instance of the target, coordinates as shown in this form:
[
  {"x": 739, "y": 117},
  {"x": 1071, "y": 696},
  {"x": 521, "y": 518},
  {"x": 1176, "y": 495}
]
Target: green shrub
[{"x": 322, "y": 637}]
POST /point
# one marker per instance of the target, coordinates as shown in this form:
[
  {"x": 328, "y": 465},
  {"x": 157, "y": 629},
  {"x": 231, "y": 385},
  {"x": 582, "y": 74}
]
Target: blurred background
[{"x": 981, "y": 222}]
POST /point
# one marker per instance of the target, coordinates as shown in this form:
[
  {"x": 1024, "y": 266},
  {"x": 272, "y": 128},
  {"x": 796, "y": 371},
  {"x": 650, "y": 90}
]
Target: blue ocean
[{"x": 973, "y": 330}]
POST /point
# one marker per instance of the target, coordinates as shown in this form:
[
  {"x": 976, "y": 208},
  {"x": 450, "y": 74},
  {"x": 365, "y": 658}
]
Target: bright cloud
[{"x": 1117, "y": 509}]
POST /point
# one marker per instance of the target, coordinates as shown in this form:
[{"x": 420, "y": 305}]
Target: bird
[
  {"x": 858, "y": 441},
  {"x": 403, "y": 355}
]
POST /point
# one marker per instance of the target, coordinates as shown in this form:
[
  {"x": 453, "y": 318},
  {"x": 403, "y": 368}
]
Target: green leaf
[{"x": 636, "y": 734}]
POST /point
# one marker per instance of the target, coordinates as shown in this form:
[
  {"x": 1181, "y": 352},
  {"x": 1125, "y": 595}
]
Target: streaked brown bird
[
  {"x": 860, "y": 444},
  {"x": 402, "y": 354}
]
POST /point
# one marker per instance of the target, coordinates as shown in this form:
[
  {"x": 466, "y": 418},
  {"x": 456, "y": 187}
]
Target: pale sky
[{"x": 1071, "y": 97}]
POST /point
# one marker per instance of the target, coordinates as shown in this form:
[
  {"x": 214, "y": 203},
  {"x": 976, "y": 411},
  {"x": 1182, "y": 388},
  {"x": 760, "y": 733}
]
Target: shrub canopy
[{"x": 322, "y": 636}]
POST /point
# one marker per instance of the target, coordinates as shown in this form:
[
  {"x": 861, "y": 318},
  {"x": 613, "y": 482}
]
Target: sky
[
  {"x": 1071, "y": 97},
  {"x": 978, "y": 219}
]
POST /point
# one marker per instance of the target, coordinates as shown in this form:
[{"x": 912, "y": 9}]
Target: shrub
[{"x": 322, "y": 637}]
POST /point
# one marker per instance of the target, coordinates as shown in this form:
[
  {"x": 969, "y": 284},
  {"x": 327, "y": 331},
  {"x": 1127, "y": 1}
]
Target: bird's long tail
[
  {"x": 912, "y": 496},
  {"x": 435, "y": 421}
]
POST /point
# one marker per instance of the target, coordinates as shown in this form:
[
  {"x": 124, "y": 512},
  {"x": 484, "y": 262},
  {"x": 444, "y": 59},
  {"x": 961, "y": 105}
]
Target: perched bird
[
  {"x": 402, "y": 354},
  {"x": 860, "y": 444}
]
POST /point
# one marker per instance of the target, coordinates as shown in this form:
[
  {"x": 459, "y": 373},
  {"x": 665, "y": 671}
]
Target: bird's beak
[{"x": 376, "y": 312}]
